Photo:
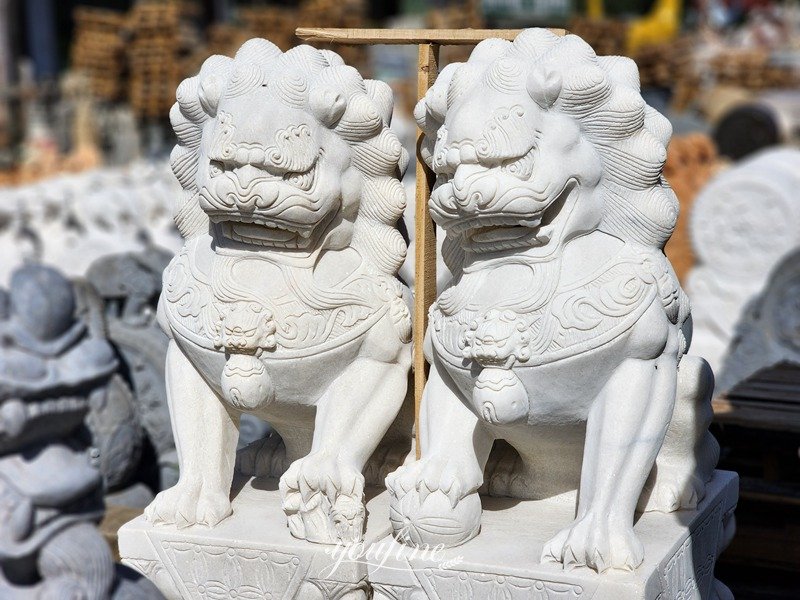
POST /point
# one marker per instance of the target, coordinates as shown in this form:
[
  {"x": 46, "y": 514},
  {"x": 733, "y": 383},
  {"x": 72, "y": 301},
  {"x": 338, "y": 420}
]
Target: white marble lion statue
[
  {"x": 284, "y": 301},
  {"x": 564, "y": 330}
]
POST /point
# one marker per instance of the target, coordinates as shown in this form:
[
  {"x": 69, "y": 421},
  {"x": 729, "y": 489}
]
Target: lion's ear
[
  {"x": 209, "y": 93},
  {"x": 543, "y": 87},
  {"x": 327, "y": 105}
]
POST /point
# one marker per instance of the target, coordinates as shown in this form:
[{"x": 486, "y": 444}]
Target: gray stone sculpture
[
  {"x": 128, "y": 285},
  {"x": 768, "y": 333},
  {"x": 50, "y": 493}
]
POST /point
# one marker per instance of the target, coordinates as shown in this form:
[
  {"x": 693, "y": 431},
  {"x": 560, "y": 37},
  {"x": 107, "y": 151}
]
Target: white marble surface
[
  {"x": 250, "y": 556},
  {"x": 503, "y": 560}
]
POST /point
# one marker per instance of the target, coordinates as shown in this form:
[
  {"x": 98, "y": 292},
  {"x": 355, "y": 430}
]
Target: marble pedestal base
[
  {"x": 503, "y": 560},
  {"x": 253, "y": 556},
  {"x": 249, "y": 556}
]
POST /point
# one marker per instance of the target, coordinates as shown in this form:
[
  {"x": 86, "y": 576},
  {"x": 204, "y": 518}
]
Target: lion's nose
[
  {"x": 245, "y": 175},
  {"x": 473, "y": 184}
]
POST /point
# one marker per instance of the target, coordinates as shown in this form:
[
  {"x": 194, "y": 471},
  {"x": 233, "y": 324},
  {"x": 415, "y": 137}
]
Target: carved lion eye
[
  {"x": 521, "y": 168},
  {"x": 215, "y": 168},
  {"x": 304, "y": 181}
]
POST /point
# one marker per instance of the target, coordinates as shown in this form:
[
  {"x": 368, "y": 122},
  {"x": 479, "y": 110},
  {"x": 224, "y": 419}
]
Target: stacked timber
[
  {"x": 98, "y": 50},
  {"x": 164, "y": 48}
]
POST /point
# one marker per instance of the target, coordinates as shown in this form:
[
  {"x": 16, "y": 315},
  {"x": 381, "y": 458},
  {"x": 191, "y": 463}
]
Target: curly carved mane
[
  {"x": 601, "y": 94},
  {"x": 317, "y": 81}
]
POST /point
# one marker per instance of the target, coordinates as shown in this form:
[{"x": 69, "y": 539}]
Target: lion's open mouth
[
  {"x": 498, "y": 232},
  {"x": 493, "y": 238},
  {"x": 268, "y": 233}
]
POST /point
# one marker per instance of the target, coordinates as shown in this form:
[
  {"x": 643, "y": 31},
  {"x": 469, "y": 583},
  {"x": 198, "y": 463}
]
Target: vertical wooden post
[{"x": 424, "y": 240}]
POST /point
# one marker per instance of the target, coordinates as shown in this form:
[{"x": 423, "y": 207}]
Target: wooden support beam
[
  {"x": 428, "y": 42},
  {"x": 424, "y": 239},
  {"x": 443, "y": 37}
]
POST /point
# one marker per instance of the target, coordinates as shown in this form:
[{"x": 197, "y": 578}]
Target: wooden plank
[
  {"x": 116, "y": 516},
  {"x": 760, "y": 414},
  {"x": 443, "y": 37},
  {"x": 424, "y": 239}
]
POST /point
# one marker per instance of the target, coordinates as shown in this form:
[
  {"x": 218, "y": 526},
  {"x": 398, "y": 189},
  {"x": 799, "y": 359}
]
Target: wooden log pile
[
  {"x": 606, "y": 36},
  {"x": 456, "y": 15},
  {"x": 751, "y": 69},
  {"x": 664, "y": 65},
  {"x": 98, "y": 50},
  {"x": 338, "y": 13},
  {"x": 275, "y": 23},
  {"x": 163, "y": 48}
]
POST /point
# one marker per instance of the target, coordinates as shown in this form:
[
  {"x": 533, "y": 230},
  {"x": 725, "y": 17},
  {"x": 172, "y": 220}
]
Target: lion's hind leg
[
  {"x": 624, "y": 432},
  {"x": 689, "y": 454}
]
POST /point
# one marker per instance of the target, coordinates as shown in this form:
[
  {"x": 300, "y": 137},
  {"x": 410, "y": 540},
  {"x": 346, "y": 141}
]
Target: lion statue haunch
[
  {"x": 564, "y": 330},
  {"x": 283, "y": 302}
]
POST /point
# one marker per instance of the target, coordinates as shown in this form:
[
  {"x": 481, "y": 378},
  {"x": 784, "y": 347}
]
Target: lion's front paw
[
  {"x": 189, "y": 503},
  {"x": 453, "y": 478},
  {"x": 595, "y": 543},
  {"x": 324, "y": 499}
]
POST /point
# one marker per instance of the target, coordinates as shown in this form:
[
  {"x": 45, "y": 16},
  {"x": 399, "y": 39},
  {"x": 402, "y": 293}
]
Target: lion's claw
[
  {"x": 593, "y": 542},
  {"x": 323, "y": 499},
  {"x": 188, "y": 503},
  {"x": 432, "y": 474}
]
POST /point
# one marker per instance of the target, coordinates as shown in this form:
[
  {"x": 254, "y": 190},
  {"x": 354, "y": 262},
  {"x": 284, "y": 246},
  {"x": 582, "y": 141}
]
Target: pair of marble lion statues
[{"x": 563, "y": 330}]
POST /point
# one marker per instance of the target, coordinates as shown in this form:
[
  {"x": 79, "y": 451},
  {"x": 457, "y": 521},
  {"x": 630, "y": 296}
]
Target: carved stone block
[
  {"x": 502, "y": 561},
  {"x": 251, "y": 556}
]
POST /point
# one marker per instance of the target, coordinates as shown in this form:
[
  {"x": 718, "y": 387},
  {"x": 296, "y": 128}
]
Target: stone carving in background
[
  {"x": 283, "y": 302},
  {"x": 69, "y": 221},
  {"x": 564, "y": 330},
  {"x": 128, "y": 286},
  {"x": 50, "y": 494},
  {"x": 767, "y": 336},
  {"x": 744, "y": 222}
]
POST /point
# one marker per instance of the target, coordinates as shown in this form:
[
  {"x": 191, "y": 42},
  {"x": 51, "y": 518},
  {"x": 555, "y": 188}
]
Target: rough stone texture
[
  {"x": 768, "y": 333},
  {"x": 51, "y": 367},
  {"x": 128, "y": 286},
  {"x": 743, "y": 223}
]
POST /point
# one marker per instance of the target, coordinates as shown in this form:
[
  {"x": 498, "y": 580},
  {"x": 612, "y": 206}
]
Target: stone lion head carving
[
  {"x": 289, "y": 151},
  {"x": 560, "y": 144}
]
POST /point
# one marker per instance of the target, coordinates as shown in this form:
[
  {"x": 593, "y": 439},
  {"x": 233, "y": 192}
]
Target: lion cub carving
[
  {"x": 564, "y": 329},
  {"x": 283, "y": 302}
]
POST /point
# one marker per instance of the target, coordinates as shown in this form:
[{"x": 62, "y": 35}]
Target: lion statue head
[
  {"x": 560, "y": 144},
  {"x": 289, "y": 151}
]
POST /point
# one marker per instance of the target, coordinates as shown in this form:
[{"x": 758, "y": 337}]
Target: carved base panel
[
  {"x": 503, "y": 560},
  {"x": 249, "y": 556}
]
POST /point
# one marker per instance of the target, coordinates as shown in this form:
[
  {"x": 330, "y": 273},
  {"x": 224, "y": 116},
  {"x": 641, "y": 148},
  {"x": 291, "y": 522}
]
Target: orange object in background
[{"x": 692, "y": 160}]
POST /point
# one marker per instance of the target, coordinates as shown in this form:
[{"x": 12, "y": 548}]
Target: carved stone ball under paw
[{"x": 436, "y": 521}]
